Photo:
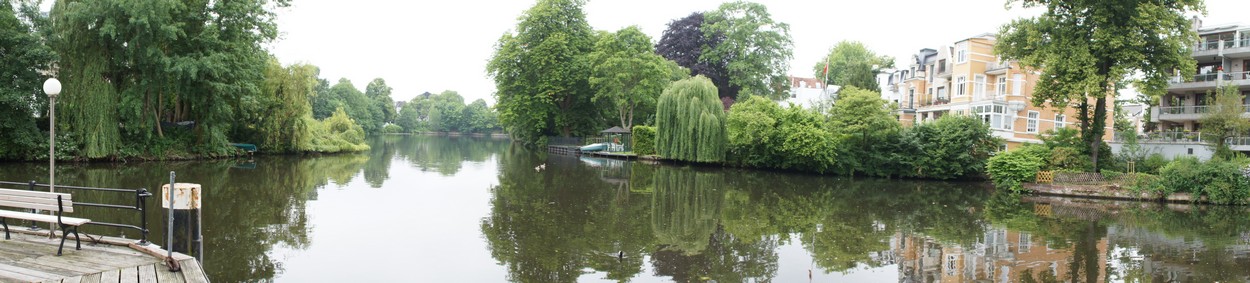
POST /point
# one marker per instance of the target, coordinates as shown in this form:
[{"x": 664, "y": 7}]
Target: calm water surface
[{"x": 440, "y": 209}]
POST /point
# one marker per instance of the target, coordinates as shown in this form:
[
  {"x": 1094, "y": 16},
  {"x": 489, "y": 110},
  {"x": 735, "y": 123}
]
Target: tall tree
[
  {"x": 22, "y": 56},
  {"x": 867, "y": 121},
  {"x": 284, "y": 105},
  {"x": 690, "y": 122},
  {"x": 140, "y": 64},
  {"x": 755, "y": 49},
  {"x": 541, "y": 73},
  {"x": 1224, "y": 119},
  {"x": 850, "y": 63},
  {"x": 345, "y": 95},
  {"x": 627, "y": 73},
  {"x": 1084, "y": 47},
  {"x": 383, "y": 105},
  {"x": 683, "y": 42}
]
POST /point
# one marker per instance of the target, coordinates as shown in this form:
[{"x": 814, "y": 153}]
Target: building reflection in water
[{"x": 1001, "y": 255}]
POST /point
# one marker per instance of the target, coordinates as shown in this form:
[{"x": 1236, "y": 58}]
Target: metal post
[
  {"x": 52, "y": 143},
  {"x": 199, "y": 228},
  {"x": 140, "y": 196},
  {"x": 33, "y": 227},
  {"x": 170, "y": 225}
]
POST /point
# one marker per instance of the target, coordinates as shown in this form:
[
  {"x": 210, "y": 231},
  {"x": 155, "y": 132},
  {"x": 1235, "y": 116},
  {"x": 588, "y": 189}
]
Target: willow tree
[
  {"x": 89, "y": 101},
  {"x": 690, "y": 122},
  {"x": 1083, "y": 48},
  {"x": 167, "y": 61},
  {"x": 285, "y": 94}
]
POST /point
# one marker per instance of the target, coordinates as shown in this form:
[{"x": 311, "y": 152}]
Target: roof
[
  {"x": 799, "y": 82},
  {"x": 614, "y": 130}
]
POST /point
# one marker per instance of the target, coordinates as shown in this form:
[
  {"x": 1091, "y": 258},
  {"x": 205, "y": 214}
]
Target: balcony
[
  {"x": 1238, "y": 143},
  {"x": 1191, "y": 112},
  {"x": 997, "y": 68},
  {"x": 1168, "y": 137},
  {"x": 1226, "y": 48},
  {"x": 1208, "y": 81}
]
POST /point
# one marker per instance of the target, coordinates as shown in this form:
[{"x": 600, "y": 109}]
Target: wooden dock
[
  {"x": 32, "y": 258},
  {"x": 564, "y": 149}
]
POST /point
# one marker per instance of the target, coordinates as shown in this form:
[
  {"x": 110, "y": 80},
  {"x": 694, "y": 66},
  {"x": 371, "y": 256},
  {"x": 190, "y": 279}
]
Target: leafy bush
[
  {"x": 951, "y": 147},
  {"x": 337, "y": 133},
  {"x": 1218, "y": 179},
  {"x": 644, "y": 140},
  {"x": 392, "y": 129},
  {"x": 1010, "y": 169},
  {"x": 762, "y": 134}
]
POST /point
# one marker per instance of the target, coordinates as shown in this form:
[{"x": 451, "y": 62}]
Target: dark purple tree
[{"x": 684, "y": 42}]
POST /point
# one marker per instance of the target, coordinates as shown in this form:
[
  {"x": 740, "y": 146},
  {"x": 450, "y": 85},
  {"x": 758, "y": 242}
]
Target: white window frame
[
  {"x": 1017, "y": 84},
  {"x": 978, "y": 82},
  {"x": 961, "y": 53},
  {"x": 1002, "y": 86},
  {"x": 961, "y": 86},
  {"x": 1060, "y": 121},
  {"x": 1031, "y": 123}
]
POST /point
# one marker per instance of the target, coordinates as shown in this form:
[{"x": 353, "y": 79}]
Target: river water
[{"x": 447, "y": 209}]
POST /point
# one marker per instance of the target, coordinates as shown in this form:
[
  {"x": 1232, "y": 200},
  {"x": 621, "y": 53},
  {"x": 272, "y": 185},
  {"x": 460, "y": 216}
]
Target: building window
[
  {"x": 1002, "y": 85},
  {"x": 1017, "y": 84},
  {"x": 1025, "y": 243},
  {"x": 1031, "y": 125},
  {"x": 979, "y": 86},
  {"x": 1059, "y": 121},
  {"x": 961, "y": 86},
  {"x": 951, "y": 260},
  {"x": 961, "y": 53}
]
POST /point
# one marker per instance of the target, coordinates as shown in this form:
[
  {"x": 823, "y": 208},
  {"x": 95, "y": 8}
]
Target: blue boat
[{"x": 595, "y": 147}]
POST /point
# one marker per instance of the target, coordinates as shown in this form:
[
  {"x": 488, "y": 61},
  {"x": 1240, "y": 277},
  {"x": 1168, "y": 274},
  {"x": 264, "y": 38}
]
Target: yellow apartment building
[{"x": 968, "y": 79}]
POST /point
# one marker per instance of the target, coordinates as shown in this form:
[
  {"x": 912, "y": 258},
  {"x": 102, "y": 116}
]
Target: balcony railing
[
  {"x": 1226, "y": 44},
  {"x": 1211, "y": 77},
  {"x": 1237, "y": 141},
  {"x": 1177, "y": 110},
  {"x": 1169, "y": 137}
]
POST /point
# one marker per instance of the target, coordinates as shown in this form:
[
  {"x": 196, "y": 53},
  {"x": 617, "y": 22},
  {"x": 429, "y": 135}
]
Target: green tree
[
  {"x": 850, "y": 63},
  {"x": 866, "y": 119},
  {"x": 478, "y": 118},
  {"x": 447, "y": 112},
  {"x": 142, "y": 64},
  {"x": 627, "y": 74},
  {"x": 283, "y": 106},
  {"x": 690, "y": 122},
  {"x": 383, "y": 105},
  {"x": 1224, "y": 120},
  {"x": 21, "y": 93},
  {"x": 323, "y": 103},
  {"x": 360, "y": 108},
  {"x": 541, "y": 73},
  {"x": 754, "y": 48},
  {"x": 762, "y": 134},
  {"x": 1083, "y": 48}
]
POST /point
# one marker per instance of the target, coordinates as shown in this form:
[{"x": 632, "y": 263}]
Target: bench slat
[
  {"x": 23, "y": 193},
  {"x": 5, "y": 203},
  {"x": 42, "y": 218},
  {"x": 34, "y": 200}
]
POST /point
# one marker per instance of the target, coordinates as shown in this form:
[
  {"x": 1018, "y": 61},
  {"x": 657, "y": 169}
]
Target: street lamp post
[{"x": 52, "y": 87}]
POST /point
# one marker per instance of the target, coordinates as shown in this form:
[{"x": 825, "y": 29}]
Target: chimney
[{"x": 1197, "y": 22}]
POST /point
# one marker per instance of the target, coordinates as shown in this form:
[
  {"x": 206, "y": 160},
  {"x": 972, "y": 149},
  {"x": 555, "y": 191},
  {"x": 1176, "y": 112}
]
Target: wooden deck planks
[
  {"x": 112, "y": 276},
  {"x": 164, "y": 275},
  {"x": 193, "y": 272},
  {"x": 147, "y": 273},
  {"x": 32, "y": 258},
  {"x": 129, "y": 274}
]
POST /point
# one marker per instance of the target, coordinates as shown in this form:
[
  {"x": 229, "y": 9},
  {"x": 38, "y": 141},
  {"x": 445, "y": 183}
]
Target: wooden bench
[{"x": 58, "y": 202}]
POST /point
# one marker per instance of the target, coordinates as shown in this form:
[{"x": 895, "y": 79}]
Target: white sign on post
[{"x": 186, "y": 196}]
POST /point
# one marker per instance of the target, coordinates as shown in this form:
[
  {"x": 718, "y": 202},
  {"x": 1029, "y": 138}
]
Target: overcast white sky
[{"x": 420, "y": 46}]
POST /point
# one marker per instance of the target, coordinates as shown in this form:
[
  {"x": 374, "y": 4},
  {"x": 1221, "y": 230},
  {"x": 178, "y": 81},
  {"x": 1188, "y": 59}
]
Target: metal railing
[
  {"x": 1211, "y": 77},
  {"x": 1191, "y": 109},
  {"x": 1237, "y": 141},
  {"x": 140, "y": 205},
  {"x": 1169, "y": 137}
]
